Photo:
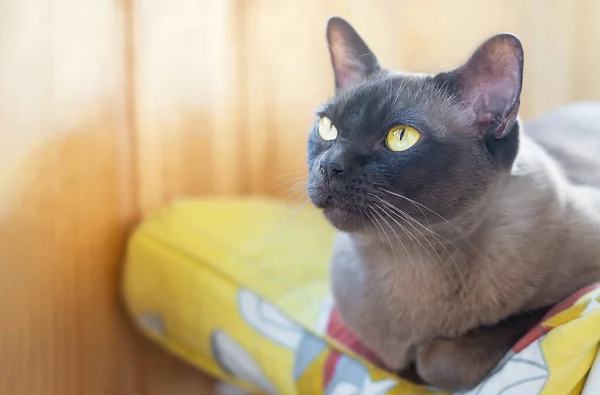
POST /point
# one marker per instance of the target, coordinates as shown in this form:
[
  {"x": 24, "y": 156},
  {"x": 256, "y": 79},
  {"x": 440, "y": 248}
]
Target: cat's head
[{"x": 413, "y": 144}]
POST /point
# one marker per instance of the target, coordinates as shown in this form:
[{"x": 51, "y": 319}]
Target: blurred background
[{"x": 111, "y": 108}]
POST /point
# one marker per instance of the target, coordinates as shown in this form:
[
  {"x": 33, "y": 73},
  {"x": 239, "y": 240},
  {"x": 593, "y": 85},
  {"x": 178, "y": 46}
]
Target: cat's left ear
[
  {"x": 352, "y": 60},
  {"x": 490, "y": 83}
]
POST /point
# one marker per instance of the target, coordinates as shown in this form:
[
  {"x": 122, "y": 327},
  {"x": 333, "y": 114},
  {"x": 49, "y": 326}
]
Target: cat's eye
[
  {"x": 401, "y": 138},
  {"x": 326, "y": 129}
]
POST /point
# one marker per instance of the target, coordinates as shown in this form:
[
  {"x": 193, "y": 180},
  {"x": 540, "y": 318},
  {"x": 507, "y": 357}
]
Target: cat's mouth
[
  {"x": 340, "y": 208},
  {"x": 325, "y": 197}
]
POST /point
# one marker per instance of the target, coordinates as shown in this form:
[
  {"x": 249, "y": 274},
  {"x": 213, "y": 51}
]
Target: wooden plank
[
  {"x": 185, "y": 84},
  {"x": 64, "y": 198}
]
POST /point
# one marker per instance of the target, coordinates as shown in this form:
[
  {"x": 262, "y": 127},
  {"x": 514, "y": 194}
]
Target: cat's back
[{"x": 571, "y": 135}]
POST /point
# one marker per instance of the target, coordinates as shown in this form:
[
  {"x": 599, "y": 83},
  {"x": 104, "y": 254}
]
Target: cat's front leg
[{"x": 461, "y": 363}]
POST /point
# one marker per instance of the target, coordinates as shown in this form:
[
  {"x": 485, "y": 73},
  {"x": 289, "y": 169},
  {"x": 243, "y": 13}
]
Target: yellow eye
[
  {"x": 326, "y": 129},
  {"x": 401, "y": 138}
]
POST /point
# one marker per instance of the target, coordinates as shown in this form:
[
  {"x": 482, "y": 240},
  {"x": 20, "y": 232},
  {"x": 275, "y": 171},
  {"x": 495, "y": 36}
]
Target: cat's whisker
[
  {"x": 362, "y": 214},
  {"x": 298, "y": 195},
  {"x": 288, "y": 218},
  {"x": 408, "y": 254},
  {"x": 294, "y": 197},
  {"x": 448, "y": 253},
  {"x": 298, "y": 173},
  {"x": 289, "y": 186},
  {"x": 303, "y": 195},
  {"x": 408, "y": 233},
  {"x": 294, "y": 190},
  {"x": 411, "y": 219},
  {"x": 298, "y": 184},
  {"x": 404, "y": 217},
  {"x": 288, "y": 180},
  {"x": 395, "y": 267},
  {"x": 386, "y": 235},
  {"x": 417, "y": 204},
  {"x": 408, "y": 217},
  {"x": 287, "y": 183},
  {"x": 375, "y": 222}
]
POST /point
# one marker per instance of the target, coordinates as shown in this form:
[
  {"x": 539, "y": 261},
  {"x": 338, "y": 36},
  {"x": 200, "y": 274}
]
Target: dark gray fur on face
[{"x": 448, "y": 252}]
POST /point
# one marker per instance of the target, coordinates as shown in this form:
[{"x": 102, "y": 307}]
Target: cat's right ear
[
  {"x": 490, "y": 83},
  {"x": 352, "y": 60}
]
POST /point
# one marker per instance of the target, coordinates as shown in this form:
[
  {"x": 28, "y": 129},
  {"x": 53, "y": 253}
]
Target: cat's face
[{"x": 390, "y": 145}]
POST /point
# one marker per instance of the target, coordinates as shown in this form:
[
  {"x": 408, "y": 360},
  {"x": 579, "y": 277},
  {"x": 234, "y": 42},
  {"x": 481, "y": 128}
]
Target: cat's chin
[{"x": 343, "y": 220}]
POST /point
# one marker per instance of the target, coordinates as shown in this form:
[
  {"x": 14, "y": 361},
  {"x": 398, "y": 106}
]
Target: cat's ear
[
  {"x": 352, "y": 60},
  {"x": 489, "y": 84}
]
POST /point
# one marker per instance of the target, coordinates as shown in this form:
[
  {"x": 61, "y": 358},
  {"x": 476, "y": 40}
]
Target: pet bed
[{"x": 238, "y": 288}]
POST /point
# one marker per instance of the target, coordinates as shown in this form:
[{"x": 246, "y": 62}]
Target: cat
[{"x": 458, "y": 226}]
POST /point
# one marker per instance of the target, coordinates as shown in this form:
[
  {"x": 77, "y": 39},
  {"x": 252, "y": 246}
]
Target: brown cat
[{"x": 458, "y": 227}]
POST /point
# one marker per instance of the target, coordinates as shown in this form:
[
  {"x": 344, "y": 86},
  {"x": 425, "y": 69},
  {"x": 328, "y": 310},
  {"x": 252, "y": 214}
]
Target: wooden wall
[{"x": 110, "y": 108}]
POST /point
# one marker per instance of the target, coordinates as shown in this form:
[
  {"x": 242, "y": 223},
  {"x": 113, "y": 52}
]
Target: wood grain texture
[
  {"x": 64, "y": 199},
  {"x": 109, "y": 109},
  {"x": 67, "y": 200}
]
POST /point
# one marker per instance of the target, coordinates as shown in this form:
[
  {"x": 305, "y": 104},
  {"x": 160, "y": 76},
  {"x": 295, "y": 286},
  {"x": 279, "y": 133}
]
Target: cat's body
[
  {"x": 519, "y": 256},
  {"x": 450, "y": 249}
]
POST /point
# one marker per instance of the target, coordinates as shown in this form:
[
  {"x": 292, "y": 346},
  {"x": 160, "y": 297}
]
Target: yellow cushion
[{"x": 239, "y": 289}]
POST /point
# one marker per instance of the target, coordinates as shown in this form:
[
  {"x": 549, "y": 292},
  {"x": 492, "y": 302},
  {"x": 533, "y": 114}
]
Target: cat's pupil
[{"x": 400, "y": 135}]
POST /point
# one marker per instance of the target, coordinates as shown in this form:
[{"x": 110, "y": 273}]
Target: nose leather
[
  {"x": 334, "y": 168},
  {"x": 331, "y": 168}
]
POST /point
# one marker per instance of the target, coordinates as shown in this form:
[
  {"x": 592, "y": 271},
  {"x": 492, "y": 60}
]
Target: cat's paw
[{"x": 446, "y": 364}]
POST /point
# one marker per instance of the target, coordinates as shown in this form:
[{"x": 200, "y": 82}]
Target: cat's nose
[{"x": 331, "y": 168}]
